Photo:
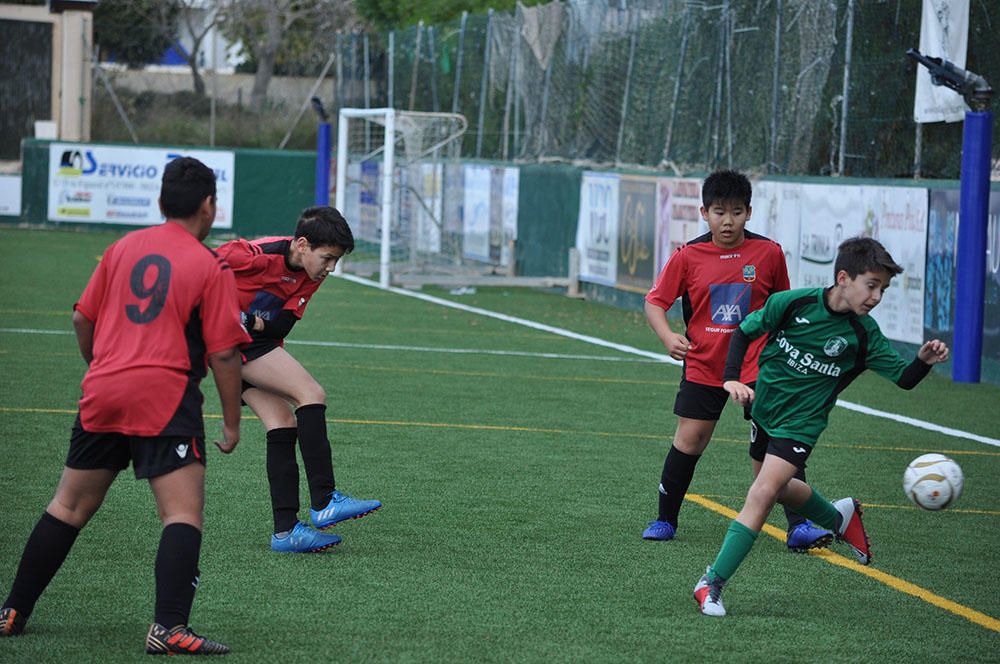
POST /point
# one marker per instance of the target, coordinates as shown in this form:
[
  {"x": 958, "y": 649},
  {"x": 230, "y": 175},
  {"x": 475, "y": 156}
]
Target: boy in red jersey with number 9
[
  {"x": 158, "y": 305},
  {"x": 720, "y": 276}
]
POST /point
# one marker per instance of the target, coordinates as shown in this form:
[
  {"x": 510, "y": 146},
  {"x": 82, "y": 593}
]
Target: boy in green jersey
[{"x": 819, "y": 340}]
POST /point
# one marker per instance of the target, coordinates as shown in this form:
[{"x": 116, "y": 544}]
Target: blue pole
[
  {"x": 323, "y": 146},
  {"x": 970, "y": 267}
]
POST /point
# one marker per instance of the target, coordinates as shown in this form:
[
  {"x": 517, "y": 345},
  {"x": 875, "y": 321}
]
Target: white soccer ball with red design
[{"x": 933, "y": 481}]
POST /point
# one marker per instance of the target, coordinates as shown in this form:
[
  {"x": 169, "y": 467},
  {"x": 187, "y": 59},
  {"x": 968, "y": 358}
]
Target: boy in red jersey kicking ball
[
  {"x": 158, "y": 304},
  {"x": 276, "y": 277},
  {"x": 721, "y": 277},
  {"x": 819, "y": 340}
]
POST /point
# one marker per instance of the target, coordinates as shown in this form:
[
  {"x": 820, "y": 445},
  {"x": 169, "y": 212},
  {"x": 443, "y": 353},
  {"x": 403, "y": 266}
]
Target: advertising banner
[
  {"x": 428, "y": 209},
  {"x": 510, "y": 178},
  {"x": 678, "y": 216},
  {"x": 896, "y": 217},
  {"x": 940, "y": 304},
  {"x": 476, "y": 213},
  {"x": 899, "y": 221},
  {"x": 597, "y": 228},
  {"x": 776, "y": 215},
  {"x": 121, "y": 185},
  {"x": 637, "y": 205},
  {"x": 10, "y": 195}
]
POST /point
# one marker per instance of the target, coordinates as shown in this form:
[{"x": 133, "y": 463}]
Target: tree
[
  {"x": 138, "y": 32},
  {"x": 393, "y": 14},
  {"x": 271, "y": 29},
  {"x": 197, "y": 18},
  {"x": 122, "y": 29}
]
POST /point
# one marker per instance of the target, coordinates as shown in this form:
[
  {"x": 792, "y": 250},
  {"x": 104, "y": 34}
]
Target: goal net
[{"x": 399, "y": 185}]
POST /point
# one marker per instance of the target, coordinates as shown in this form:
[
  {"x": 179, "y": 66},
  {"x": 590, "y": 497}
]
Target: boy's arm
[
  {"x": 677, "y": 345},
  {"x": 226, "y": 366},
  {"x": 739, "y": 342},
  {"x": 931, "y": 353},
  {"x": 277, "y": 328},
  {"x": 84, "y": 329}
]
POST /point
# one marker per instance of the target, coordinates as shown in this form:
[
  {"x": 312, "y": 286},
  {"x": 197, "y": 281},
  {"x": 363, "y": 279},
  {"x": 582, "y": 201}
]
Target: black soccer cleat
[
  {"x": 180, "y": 641},
  {"x": 11, "y": 622}
]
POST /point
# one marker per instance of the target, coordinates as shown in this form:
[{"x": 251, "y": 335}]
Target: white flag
[{"x": 944, "y": 33}]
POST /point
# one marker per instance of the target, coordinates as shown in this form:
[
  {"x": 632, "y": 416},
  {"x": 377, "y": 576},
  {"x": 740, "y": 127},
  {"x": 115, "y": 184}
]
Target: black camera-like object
[{"x": 973, "y": 87}]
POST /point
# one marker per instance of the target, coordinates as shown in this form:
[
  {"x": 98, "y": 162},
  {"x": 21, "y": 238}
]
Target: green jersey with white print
[{"x": 811, "y": 355}]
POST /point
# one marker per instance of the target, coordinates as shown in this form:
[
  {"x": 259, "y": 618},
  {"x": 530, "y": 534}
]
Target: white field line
[
  {"x": 930, "y": 426},
  {"x": 409, "y": 349}
]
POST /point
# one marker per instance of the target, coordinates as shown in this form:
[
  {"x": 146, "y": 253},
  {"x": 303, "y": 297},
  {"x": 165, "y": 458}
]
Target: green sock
[
  {"x": 819, "y": 510},
  {"x": 739, "y": 540}
]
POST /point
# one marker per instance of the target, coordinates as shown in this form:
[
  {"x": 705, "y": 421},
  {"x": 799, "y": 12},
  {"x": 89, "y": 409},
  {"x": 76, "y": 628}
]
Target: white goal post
[{"x": 370, "y": 137}]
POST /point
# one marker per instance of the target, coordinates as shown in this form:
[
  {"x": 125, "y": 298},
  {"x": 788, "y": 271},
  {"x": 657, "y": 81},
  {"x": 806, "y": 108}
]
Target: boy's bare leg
[{"x": 77, "y": 498}]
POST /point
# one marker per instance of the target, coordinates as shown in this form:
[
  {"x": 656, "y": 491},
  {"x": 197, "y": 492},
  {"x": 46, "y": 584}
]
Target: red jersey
[
  {"x": 160, "y": 301},
  {"x": 718, "y": 288},
  {"x": 267, "y": 284}
]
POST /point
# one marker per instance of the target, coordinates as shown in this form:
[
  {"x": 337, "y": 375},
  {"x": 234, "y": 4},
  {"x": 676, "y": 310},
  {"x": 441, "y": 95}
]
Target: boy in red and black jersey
[
  {"x": 721, "y": 277},
  {"x": 157, "y": 307},
  {"x": 276, "y": 277}
]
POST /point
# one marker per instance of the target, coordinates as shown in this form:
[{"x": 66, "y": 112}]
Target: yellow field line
[
  {"x": 505, "y": 427},
  {"x": 962, "y": 611}
]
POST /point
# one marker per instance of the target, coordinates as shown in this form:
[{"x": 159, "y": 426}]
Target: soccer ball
[{"x": 933, "y": 481}]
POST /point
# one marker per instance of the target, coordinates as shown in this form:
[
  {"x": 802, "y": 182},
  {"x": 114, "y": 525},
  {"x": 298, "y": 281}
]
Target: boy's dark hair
[
  {"x": 726, "y": 186},
  {"x": 324, "y": 226},
  {"x": 863, "y": 254},
  {"x": 186, "y": 183}
]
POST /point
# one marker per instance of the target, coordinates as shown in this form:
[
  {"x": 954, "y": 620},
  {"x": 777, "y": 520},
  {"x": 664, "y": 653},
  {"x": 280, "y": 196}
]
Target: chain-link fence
[{"x": 682, "y": 85}]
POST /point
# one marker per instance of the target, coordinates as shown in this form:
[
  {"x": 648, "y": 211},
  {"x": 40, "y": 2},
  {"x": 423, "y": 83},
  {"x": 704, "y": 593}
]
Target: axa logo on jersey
[{"x": 729, "y": 303}]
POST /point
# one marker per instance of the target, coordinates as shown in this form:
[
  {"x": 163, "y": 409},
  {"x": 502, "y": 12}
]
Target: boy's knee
[
  {"x": 762, "y": 494},
  {"x": 312, "y": 394}
]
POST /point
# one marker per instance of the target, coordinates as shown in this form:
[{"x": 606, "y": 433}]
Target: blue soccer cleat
[
  {"x": 662, "y": 531},
  {"x": 341, "y": 508},
  {"x": 807, "y": 535},
  {"x": 303, "y": 539}
]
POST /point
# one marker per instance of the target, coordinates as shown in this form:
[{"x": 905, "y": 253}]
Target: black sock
[
  {"x": 794, "y": 518},
  {"x": 678, "y": 469},
  {"x": 283, "y": 478},
  {"x": 44, "y": 553},
  {"x": 176, "y": 573},
  {"x": 316, "y": 456}
]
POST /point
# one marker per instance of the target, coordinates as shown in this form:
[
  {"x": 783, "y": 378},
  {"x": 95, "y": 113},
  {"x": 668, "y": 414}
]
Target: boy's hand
[
  {"x": 740, "y": 393},
  {"x": 934, "y": 351},
  {"x": 677, "y": 346},
  {"x": 230, "y": 438}
]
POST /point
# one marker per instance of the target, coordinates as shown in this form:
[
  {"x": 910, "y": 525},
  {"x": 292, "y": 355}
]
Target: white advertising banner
[
  {"x": 896, "y": 217},
  {"x": 10, "y": 195},
  {"x": 899, "y": 221},
  {"x": 775, "y": 215},
  {"x": 428, "y": 214},
  {"x": 476, "y": 213},
  {"x": 597, "y": 228},
  {"x": 509, "y": 196},
  {"x": 121, "y": 185},
  {"x": 678, "y": 219},
  {"x": 944, "y": 33}
]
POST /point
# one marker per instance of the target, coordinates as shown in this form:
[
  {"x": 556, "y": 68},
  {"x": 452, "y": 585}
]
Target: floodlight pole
[
  {"x": 970, "y": 263},
  {"x": 973, "y": 211},
  {"x": 323, "y": 145}
]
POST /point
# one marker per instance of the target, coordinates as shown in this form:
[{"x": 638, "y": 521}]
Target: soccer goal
[
  {"x": 419, "y": 215},
  {"x": 392, "y": 172}
]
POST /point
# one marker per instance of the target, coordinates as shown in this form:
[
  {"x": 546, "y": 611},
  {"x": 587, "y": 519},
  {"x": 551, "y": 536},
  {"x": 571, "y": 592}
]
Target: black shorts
[
  {"x": 258, "y": 348},
  {"x": 151, "y": 456},
  {"x": 702, "y": 402},
  {"x": 792, "y": 451}
]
